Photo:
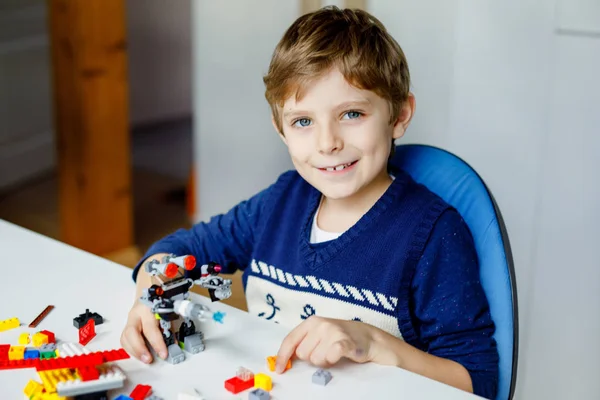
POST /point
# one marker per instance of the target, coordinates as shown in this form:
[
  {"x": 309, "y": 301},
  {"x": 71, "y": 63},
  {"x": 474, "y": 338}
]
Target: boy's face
[{"x": 339, "y": 136}]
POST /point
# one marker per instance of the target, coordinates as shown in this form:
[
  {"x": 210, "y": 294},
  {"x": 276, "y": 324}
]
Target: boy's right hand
[{"x": 141, "y": 324}]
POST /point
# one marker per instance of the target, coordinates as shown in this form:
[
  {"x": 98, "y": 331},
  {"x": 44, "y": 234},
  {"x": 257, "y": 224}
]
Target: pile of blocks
[{"x": 44, "y": 347}]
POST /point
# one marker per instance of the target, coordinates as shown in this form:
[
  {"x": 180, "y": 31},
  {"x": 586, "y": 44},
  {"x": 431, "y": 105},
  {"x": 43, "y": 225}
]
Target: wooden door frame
[{"x": 91, "y": 119}]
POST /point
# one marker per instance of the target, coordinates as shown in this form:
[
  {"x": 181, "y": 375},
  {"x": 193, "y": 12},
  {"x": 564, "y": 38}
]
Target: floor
[{"x": 159, "y": 190}]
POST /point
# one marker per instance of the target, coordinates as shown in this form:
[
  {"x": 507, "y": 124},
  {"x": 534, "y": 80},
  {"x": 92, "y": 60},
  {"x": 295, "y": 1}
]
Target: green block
[{"x": 45, "y": 355}]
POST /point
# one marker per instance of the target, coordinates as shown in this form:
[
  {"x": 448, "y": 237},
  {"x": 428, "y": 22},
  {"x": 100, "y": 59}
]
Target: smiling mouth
[{"x": 339, "y": 167}]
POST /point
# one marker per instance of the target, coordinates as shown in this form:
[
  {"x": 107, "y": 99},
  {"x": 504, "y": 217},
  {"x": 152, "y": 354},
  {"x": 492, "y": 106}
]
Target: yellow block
[
  {"x": 39, "y": 339},
  {"x": 263, "y": 381},
  {"x": 10, "y": 323},
  {"x": 32, "y": 388},
  {"x": 51, "y": 377},
  {"x": 47, "y": 396},
  {"x": 24, "y": 338},
  {"x": 16, "y": 352}
]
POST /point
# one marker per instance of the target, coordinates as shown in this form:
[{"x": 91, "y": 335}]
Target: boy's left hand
[{"x": 324, "y": 341}]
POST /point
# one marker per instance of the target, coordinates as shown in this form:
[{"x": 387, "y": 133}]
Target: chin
[{"x": 337, "y": 193}]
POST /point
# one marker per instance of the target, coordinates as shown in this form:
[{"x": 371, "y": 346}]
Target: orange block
[{"x": 272, "y": 360}]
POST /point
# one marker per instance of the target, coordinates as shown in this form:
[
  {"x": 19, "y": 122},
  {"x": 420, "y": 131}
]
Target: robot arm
[
  {"x": 218, "y": 287},
  {"x": 189, "y": 309},
  {"x": 170, "y": 265}
]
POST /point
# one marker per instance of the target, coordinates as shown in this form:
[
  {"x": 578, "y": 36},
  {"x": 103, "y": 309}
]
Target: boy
[{"x": 347, "y": 251}]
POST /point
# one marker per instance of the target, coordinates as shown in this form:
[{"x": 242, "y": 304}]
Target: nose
[{"x": 329, "y": 140}]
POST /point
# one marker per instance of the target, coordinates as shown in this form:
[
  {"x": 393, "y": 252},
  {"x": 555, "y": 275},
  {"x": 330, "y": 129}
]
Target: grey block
[
  {"x": 259, "y": 394},
  {"x": 193, "y": 343},
  {"x": 321, "y": 377},
  {"x": 176, "y": 355},
  {"x": 47, "y": 347}
]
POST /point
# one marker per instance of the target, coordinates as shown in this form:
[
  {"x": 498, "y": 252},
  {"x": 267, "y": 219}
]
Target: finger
[
  {"x": 337, "y": 350},
  {"x": 133, "y": 343},
  {"x": 308, "y": 346},
  {"x": 289, "y": 345},
  {"x": 318, "y": 356},
  {"x": 154, "y": 336}
]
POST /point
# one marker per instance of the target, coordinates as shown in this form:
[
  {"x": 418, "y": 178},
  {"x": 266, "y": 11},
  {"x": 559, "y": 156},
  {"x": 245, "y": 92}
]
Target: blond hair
[{"x": 353, "y": 41}]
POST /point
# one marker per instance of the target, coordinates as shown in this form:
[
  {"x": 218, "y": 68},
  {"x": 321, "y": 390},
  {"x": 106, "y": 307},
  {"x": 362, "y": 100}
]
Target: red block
[
  {"x": 84, "y": 360},
  {"x": 141, "y": 392},
  {"x": 4, "y": 348},
  {"x": 50, "y": 336},
  {"x": 236, "y": 385},
  {"x": 87, "y": 332},
  {"x": 16, "y": 364},
  {"x": 88, "y": 373}
]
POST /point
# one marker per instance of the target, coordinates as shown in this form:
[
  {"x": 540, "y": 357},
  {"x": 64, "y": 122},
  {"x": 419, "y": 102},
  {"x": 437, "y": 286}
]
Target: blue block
[
  {"x": 31, "y": 353},
  {"x": 123, "y": 397}
]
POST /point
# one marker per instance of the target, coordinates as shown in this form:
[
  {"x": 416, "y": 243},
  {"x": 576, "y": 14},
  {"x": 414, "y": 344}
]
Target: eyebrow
[{"x": 345, "y": 105}]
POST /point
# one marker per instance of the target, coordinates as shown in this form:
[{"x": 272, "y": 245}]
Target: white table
[{"x": 37, "y": 271}]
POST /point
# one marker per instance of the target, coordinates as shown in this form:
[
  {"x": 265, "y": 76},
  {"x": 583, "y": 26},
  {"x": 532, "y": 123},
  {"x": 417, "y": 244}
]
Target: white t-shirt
[{"x": 318, "y": 235}]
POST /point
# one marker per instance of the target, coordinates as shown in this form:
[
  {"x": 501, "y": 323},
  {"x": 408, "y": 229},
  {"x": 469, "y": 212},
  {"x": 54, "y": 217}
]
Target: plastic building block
[
  {"x": 39, "y": 318},
  {"x": 83, "y": 319},
  {"x": 272, "y": 360},
  {"x": 72, "y": 349},
  {"x": 87, "y": 332},
  {"x": 88, "y": 373},
  {"x": 39, "y": 339},
  {"x": 140, "y": 392},
  {"x": 236, "y": 385},
  {"x": 49, "y": 335},
  {"x": 4, "y": 348},
  {"x": 244, "y": 374},
  {"x": 17, "y": 364},
  {"x": 51, "y": 378},
  {"x": 47, "y": 396},
  {"x": 91, "y": 359},
  {"x": 263, "y": 381},
  {"x": 48, "y": 350},
  {"x": 16, "y": 353},
  {"x": 123, "y": 397},
  {"x": 10, "y": 323},
  {"x": 111, "y": 377},
  {"x": 24, "y": 338},
  {"x": 31, "y": 353},
  {"x": 321, "y": 377},
  {"x": 32, "y": 388},
  {"x": 259, "y": 394}
]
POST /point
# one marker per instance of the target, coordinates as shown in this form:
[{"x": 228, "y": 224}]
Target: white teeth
[{"x": 338, "y": 168}]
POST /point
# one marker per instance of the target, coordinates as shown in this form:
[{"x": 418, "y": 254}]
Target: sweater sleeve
[
  {"x": 451, "y": 311},
  {"x": 226, "y": 238}
]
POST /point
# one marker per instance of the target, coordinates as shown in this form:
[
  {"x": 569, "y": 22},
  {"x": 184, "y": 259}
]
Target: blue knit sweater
[{"x": 408, "y": 267}]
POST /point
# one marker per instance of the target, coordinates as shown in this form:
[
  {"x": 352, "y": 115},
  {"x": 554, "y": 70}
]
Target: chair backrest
[{"x": 459, "y": 185}]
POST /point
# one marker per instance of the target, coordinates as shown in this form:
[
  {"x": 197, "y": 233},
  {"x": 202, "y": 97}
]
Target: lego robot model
[{"x": 169, "y": 301}]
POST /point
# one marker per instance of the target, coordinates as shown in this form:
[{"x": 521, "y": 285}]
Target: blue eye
[
  {"x": 352, "y": 115},
  {"x": 302, "y": 122}
]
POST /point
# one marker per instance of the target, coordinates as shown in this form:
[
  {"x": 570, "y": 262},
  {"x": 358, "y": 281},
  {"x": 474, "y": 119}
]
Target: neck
[{"x": 338, "y": 215}]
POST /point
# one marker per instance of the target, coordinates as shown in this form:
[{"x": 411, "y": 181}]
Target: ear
[
  {"x": 404, "y": 117},
  {"x": 281, "y": 135}
]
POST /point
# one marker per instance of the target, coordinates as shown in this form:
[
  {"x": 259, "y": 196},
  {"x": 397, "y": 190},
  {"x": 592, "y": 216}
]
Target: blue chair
[{"x": 460, "y": 186}]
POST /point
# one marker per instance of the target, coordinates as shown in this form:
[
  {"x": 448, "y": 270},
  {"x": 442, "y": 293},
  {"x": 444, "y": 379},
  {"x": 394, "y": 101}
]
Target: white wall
[
  {"x": 159, "y": 51},
  {"x": 496, "y": 84},
  {"x": 510, "y": 86},
  {"x": 26, "y": 140},
  {"x": 237, "y": 151}
]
